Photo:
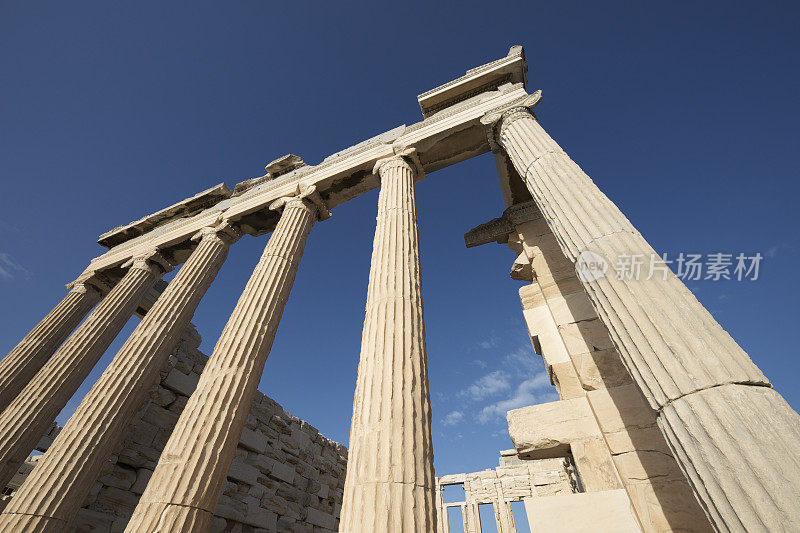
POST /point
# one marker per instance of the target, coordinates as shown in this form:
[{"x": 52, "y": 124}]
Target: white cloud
[
  {"x": 453, "y": 418},
  {"x": 488, "y": 385},
  {"x": 524, "y": 359},
  {"x": 9, "y": 268},
  {"x": 479, "y": 363},
  {"x": 523, "y": 395}
]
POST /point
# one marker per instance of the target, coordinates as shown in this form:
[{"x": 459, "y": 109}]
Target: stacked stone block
[
  {"x": 513, "y": 481},
  {"x": 286, "y": 476},
  {"x": 612, "y": 432}
]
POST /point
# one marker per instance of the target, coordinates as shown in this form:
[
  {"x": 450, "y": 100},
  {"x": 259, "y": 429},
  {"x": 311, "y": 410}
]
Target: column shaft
[
  {"x": 734, "y": 437},
  {"x": 34, "y": 409},
  {"x": 187, "y": 483},
  {"x": 390, "y": 483},
  {"x": 56, "y": 489},
  {"x": 21, "y": 364}
]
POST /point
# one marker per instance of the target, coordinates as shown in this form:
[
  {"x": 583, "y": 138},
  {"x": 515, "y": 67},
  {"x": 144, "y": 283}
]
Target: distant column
[
  {"x": 21, "y": 364},
  {"x": 57, "y": 488},
  {"x": 734, "y": 436},
  {"x": 34, "y": 409},
  {"x": 187, "y": 483},
  {"x": 390, "y": 483}
]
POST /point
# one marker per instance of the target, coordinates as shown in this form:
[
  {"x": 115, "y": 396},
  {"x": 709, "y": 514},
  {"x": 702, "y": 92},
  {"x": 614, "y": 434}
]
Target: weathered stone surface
[
  {"x": 672, "y": 346},
  {"x": 539, "y": 428},
  {"x": 218, "y": 409},
  {"x": 180, "y": 382},
  {"x": 162, "y": 396},
  {"x": 596, "y": 467},
  {"x": 35, "y": 408},
  {"x": 744, "y": 422},
  {"x": 602, "y": 369},
  {"x": 182, "y": 209},
  {"x": 565, "y": 380},
  {"x": 588, "y": 512},
  {"x": 318, "y": 518},
  {"x": 254, "y": 441},
  {"x": 390, "y": 477},
  {"x": 243, "y": 472},
  {"x": 26, "y": 358},
  {"x": 587, "y": 336},
  {"x": 571, "y": 308},
  {"x": 255, "y": 506},
  {"x": 92, "y": 521},
  {"x": 120, "y": 477},
  {"x": 693, "y": 375},
  {"x": 142, "y": 478},
  {"x": 633, "y": 450},
  {"x": 521, "y": 479}
]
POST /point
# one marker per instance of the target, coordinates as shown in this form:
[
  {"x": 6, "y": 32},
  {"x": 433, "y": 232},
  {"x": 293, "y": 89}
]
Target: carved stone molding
[
  {"x": 224, "y": 230},
  {"x": 403, "y": 156},
  {"x": 149, "y": 261},
  {"x": 498, "y": 229},
  {"x": 91, "y": 280},
  {"x": 308, "y": 197},
  {"x": 507, "y": 113}
]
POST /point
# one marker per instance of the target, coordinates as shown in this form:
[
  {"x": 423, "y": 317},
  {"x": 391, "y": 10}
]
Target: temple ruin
[{"x": 663, "y": 422}]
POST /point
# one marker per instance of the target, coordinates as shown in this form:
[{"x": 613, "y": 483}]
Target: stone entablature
[
  {"x": 510, "y": 69},
  {"x": 184, "y": 208},
  {"x": 445, "y": 138}
]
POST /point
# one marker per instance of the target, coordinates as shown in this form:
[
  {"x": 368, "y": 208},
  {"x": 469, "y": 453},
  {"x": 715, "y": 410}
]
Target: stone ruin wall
[
  {"x": 515, "y": 480},
  {"x": 286, "y": 476},
  {"x": 602, "y": 419}
]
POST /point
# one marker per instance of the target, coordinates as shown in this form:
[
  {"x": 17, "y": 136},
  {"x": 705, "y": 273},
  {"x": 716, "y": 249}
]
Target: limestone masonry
[
  {"x": 663, "y": 422},
  {"x": 285, "y": 476}
]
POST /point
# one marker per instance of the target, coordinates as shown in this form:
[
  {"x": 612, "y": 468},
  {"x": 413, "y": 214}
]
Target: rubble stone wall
[{"x": 286, "y": 476}]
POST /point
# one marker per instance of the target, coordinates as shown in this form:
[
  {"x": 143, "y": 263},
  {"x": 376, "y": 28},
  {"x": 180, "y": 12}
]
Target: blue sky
[{"x": 685, "y": 115}]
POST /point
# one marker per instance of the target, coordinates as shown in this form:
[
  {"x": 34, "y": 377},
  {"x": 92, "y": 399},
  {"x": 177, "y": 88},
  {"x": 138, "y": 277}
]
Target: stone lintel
[
  {"x": 182, "y": 209},
  {"x": 510, "y": 69},
  {"x": 539, "y": 429},
  {"x": 445, "y": 139}
]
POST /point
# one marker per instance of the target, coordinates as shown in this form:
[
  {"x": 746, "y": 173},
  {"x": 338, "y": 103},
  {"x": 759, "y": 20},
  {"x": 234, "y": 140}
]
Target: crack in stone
[{"x": 746, "y": 383}]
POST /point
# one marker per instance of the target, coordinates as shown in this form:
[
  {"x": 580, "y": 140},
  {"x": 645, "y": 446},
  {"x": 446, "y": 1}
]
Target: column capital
[
  {"x": 223, "y": 230},
  {"x": 90, "y": 280},
  {"x": 305, "y": 196},
  {"x": 152, "y": 260},
  {"x": 403, "y": 157},
  {"x": 498, "y": 118}
]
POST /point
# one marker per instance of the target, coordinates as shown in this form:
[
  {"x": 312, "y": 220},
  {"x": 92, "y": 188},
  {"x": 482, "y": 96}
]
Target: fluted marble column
[
  {"x": 27, "y": 357},
  {"x": 735, "y": 437},
  {"x": 390, "y": 483},
  {"x": 56, "y": 489},
  {"x": 27, "y": 417},
  {"x": 187, "y": 483}
]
